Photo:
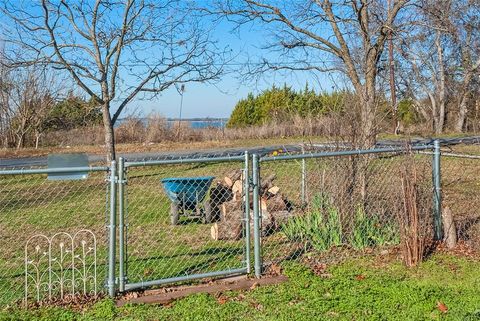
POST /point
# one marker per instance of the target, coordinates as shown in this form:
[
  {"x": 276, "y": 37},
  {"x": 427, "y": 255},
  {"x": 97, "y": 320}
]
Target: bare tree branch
[{"x": 114, "y": 50}]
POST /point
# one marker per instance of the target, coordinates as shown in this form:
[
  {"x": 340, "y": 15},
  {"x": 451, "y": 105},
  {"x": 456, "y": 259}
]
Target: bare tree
[
  {"x": 5, "y": 106},
  {"x": 441, "y": 60},
  {"x": 351, "y": 33},
  {"x": 116, "y": 51},
  {"x": 29, "y": 103},
  {"x": 466, "y": 38}
]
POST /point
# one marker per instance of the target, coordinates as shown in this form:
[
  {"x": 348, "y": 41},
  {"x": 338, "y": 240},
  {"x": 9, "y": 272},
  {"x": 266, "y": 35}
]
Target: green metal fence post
[
  {"x": 437, "y": 194},
  {"x": 112, "y": 231},
  {"x": 256, "y": 217},
  {"x": 121, "y": 224},
  {"x": 246, "y": 178}
]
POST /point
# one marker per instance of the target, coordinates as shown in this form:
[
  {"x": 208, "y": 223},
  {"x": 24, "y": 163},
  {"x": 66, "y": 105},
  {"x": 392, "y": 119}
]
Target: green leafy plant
[
  {"x": 320, "y": 228},
  {"x": 282, "y": 103},
  {"x": 369, "y": 231}
]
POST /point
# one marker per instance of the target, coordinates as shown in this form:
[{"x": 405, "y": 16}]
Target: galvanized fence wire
[
  {"x": 461, "y": 191},
  {"x": 339, "y": 206},
  {"x": 48, "y": 228},
  {"x": 183, "y": 218}
]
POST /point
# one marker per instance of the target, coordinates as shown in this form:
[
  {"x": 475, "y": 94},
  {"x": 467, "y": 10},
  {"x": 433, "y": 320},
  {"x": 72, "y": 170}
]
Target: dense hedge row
[{"x": 281, "y": 103}]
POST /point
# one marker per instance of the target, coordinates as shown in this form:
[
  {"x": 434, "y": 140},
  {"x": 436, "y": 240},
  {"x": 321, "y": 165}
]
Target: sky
[
  {"x": 218, "y": 100},
  {"x": 214, "y": 100}
]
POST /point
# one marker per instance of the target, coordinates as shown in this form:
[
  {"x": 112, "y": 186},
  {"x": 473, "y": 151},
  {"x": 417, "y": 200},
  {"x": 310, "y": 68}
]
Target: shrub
[{"x": 281, "y": 104}]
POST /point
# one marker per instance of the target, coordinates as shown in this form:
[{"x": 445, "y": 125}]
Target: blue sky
[{"x": 218, "y": 100}]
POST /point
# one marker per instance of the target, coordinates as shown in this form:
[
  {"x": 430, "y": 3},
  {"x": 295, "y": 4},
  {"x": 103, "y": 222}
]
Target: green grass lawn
[{"x": 358, "y": 289}]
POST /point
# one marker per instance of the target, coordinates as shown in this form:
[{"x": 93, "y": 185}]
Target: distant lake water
[
  {"x": 193, "y": 122},
  {"x": 220, "y": 123}
]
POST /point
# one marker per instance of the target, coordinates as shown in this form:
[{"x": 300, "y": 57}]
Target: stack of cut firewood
[{"x": 227, "y": 200}]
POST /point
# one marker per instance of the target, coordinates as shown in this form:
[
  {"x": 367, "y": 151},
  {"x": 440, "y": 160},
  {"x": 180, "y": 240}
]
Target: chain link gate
[{"x": 168, "y": 212}]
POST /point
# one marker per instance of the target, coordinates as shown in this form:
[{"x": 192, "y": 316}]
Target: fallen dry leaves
[
  {"x": 319, "y": 268},
  {"x": 222, "y": 299},
  {"x": 274, "y": 270},
  {"x": 254, "y": 286},
  {"x": 360, "y": 277},
  {"x": 442, "y": 307},
  {"x": 74, "y": 302}
]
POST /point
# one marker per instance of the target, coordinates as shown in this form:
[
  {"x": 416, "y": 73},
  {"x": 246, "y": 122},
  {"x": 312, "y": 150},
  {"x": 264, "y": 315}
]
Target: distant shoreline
[
  {"x": 195, "y": 122},
  {"x": 198, "y": 119},
  {"x": 183, "y": 119}
]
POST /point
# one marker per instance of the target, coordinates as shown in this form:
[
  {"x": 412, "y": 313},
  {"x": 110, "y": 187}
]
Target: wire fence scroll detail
[{"x": 61, "y": 265}]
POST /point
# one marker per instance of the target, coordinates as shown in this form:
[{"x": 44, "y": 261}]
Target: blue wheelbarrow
[{"x": 187, "y": 195}]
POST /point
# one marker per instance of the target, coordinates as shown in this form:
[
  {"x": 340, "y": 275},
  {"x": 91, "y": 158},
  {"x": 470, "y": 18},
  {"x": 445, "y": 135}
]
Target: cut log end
[
  {"x": 237, "y": 187},
  {"x": 214, "y": 232},
  {"x": 227, "y": 230},
  {"x": 274, "y": 190},
  {"x": 232, "y": 177}
]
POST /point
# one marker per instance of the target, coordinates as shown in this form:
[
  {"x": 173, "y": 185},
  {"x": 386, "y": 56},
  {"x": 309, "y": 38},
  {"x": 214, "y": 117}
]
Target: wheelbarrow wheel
[
  {"x": 208, "y": 213},
  {"x": 174, "y": 213}
]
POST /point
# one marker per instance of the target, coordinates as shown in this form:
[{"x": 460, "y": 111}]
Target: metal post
[
  {"x": 304, "y": 177},
  {"x": 121, "y": 224},
  {"x": 437, "y": 197},
  {"x": 246, "y": 178},
  {"x": 112, "y": 231},
  {"x": 256, "y": 217}
]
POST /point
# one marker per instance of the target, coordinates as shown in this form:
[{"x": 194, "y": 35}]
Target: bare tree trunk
[
  {"x": 368, "y": 134},
  {"x": 20, "y": 139},
  {"x": 449, "y": 228},
  {"x": 462, "y": 107},
  {"x": 37, "y": 140},
  {"x": 435, "y": 113},
  {"x": 109, "y": 133},
  {"x": 462, "y": 114},
  {"x": 393, "y": 94},
  {"x": 419, "y": 106},
  {"x": 442, "y": 89},
  {"x": 368, "y": 111}
]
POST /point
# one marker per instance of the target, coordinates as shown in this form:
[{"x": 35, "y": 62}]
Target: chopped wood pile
[{"x": 227, "y": 204}]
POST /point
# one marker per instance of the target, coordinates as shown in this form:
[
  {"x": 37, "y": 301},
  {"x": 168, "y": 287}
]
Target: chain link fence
[
  {"x": 179, "y": 219},
  {"x": 461, "y": 191},
  {"x": 339, "y": 206},
  {"x": 53, "y": 242}
]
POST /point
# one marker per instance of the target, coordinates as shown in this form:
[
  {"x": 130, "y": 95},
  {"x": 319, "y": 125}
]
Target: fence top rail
[
  {"x": 347, "y": 153},
  {"x": 54, "y": 170},
  {"x": 186, "y": 161}
]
